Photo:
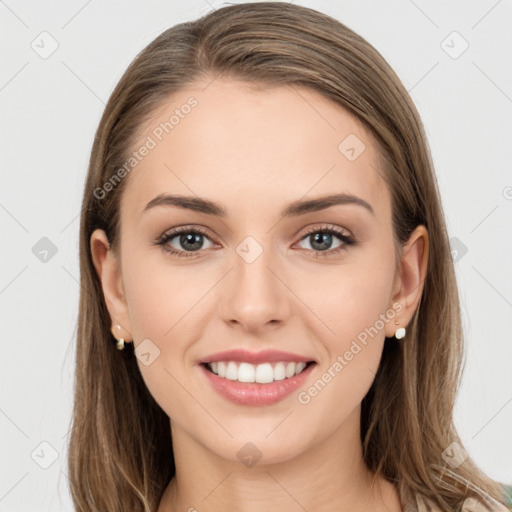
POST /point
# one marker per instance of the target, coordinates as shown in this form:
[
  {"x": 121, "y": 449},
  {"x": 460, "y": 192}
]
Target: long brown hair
[{"x": 120, "y": 450}]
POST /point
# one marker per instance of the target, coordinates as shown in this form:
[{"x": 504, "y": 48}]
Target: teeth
[
  {"x": 290, "y": 370},
  {"x": 262, "y": 373},
  {"x": 299, "y": 368},
  {"x": 279, "y": 371},
  {"x": 232, "y": 371},
  {"x": 246, "y": 372}
]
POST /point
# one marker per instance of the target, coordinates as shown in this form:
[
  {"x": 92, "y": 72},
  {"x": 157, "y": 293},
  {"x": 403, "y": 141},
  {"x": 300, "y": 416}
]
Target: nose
[{"x": 254, "y": 297}]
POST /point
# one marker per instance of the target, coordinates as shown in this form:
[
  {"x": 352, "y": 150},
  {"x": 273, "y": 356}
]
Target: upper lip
[{"x": 264, "y": 356}]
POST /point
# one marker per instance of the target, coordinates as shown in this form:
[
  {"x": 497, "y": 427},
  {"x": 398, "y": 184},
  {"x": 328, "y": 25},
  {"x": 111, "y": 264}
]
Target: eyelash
[{"x": 166, "y": 237}]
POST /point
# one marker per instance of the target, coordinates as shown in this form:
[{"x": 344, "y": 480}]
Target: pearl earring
[
  {"x": 400, "y": 332},
  {"x": 120, "y": 341}
]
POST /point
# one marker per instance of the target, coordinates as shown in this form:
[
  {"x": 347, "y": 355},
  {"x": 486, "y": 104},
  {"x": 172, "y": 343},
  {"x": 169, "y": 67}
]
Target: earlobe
[{"x": 108, "y": 270}]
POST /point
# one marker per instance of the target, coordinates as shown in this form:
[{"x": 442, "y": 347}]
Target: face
[{"x": 252, "y": 272}]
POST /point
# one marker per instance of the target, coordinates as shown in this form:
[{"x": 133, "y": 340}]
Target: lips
[
  {"x": 264, "y": 356},
  {"x": 256, "y": 378}
]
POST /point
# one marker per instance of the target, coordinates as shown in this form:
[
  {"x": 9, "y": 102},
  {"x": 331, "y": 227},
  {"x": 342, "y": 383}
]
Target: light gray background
[{"x": 50, "y": 108}]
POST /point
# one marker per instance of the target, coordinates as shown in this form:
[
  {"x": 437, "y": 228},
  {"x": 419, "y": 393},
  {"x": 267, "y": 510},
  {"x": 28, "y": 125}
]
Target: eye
[
  {"x": 190, "y": 239},
  {"x": 186, "y": 240},
  {"x": 321, "y": 240}
]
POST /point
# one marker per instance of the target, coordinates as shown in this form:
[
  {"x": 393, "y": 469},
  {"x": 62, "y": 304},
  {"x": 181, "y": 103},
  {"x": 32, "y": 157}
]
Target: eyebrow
[{"x": 295, "y": 208}]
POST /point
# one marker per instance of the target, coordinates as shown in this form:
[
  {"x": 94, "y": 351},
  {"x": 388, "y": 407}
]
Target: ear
[
  {"x": 410, "y": 278},
  {"x": 108, "y": 268}
]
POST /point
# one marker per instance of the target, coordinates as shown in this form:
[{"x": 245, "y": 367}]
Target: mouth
[
  {"x": 256, "y": 378},
  {"x": 263, "y": 373},
  {"x": 261, "y": 383}
]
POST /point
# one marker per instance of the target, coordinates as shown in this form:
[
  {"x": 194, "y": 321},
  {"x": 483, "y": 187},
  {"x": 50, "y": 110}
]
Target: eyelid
[
  {"x": 328, "y": 227},
  {"x": 185, "y": 228}
]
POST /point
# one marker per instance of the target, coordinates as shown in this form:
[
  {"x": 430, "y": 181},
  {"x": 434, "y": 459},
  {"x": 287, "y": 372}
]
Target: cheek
[
  {"x": 356, "y": 308},
  {"x": 350, "y": 299},
  {"x": 161, "y": 307},
  {"x": 162, "y": 299},
  {"x": 162, "y": 303}
]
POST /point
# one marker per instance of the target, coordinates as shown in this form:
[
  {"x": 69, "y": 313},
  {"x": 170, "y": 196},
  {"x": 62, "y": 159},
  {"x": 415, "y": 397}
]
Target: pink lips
[
  {"x": 244, "y": 393},
  {"x": 253, "y": 393},
  {"x": 265, "y": 356}
]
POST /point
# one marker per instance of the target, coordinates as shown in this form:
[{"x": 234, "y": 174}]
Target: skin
[{"x": 254, "y": 152}]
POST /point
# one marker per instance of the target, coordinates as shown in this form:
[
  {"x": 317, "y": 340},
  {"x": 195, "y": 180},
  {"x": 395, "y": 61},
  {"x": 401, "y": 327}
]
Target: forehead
[{"x": 230, "y": 141}]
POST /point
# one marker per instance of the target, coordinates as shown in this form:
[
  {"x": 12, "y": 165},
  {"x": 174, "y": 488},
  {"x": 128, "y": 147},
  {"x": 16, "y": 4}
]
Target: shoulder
[
  {"x": 469, "y": 505},
  {"x": 508, "y": 495}
]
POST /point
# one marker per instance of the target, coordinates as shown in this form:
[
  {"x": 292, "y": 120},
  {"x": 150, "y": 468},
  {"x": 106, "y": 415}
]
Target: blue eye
[
  {"x": 320, "y": 238},
  {"x": 192, "y": 240}
]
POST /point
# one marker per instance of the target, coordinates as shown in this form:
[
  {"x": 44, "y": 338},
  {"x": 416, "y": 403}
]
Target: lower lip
[{"x": 253, "y": 393}]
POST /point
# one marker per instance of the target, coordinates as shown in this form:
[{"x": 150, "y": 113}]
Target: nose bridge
[{"x": 254, "y": 296}]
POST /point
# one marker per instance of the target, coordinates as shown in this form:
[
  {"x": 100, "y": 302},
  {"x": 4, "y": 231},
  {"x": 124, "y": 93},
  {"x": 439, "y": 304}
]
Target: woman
[{"x": 262, "y": 236}]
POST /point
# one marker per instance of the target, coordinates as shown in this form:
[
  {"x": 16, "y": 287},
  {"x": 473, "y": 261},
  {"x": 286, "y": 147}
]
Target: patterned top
[{"x": 469, "y": 505}]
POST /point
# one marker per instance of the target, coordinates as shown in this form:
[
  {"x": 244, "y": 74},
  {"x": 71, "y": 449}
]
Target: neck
[{"x": 330, "y": 475}]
